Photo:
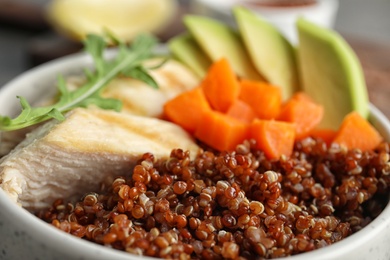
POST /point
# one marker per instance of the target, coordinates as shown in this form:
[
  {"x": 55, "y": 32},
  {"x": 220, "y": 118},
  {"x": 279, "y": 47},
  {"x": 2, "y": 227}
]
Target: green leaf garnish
[{"x": 128, "y": 62}]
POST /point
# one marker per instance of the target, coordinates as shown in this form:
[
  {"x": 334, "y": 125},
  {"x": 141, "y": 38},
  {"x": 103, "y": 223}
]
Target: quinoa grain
[{"x": 236, "y": 205}]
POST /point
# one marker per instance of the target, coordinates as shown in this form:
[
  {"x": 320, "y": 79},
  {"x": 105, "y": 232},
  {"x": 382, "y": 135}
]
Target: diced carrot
[
  {"x": 264, "y": 98},
  {"x": 304, "y": 112},
  {"x": 220, "y": 131},
  {"x": 273, "y": 137},
  {"x": 327, "y": 135},
  {"x": 186, "y": 109},
  {"x": 241, "y": 111},
  {"x": 302, "y": 96},
  {"x": 220, "y": 85},
  {"x": 356, "y": 132}
]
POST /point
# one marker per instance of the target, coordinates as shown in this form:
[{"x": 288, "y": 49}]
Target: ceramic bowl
[
  {"x": 283, "y": 16},
  {"x": 24, "y": 236}
]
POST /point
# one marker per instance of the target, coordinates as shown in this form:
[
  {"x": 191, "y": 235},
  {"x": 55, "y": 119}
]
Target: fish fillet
[
  {"x": 137, "y": 97},
  {"x": 65, "y": 159}
]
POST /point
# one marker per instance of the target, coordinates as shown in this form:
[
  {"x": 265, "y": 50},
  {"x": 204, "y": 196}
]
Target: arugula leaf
[{"x": 128, "y": 61}]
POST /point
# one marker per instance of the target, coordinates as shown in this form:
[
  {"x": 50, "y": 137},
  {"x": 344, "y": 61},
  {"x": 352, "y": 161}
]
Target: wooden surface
[{"x": 375, "y": 60}]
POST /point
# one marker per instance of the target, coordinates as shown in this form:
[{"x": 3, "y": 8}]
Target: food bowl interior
[{"x": 24, "y": 235}]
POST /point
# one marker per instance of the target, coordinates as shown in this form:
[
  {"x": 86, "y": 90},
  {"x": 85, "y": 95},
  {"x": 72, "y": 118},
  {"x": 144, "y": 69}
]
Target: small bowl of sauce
[{"x": 281, "y": 3}]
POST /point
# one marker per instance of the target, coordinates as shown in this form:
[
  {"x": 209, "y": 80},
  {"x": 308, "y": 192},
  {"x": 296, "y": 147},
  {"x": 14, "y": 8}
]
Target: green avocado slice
[
  {"x": 272, "y": 54},
  {"x": 185, "y": 49},
  {"x": 331, "y": 73},
  {"x": 219, "y": 40}
]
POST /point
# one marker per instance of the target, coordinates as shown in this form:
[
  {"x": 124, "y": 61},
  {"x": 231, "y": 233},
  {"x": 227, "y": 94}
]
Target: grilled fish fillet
[
  {"x": 65, "y": 159},
  {"x": 137, "y": 97}
]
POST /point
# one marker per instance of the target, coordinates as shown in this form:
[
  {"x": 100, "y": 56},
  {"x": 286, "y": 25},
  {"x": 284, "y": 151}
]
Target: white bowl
[
  {"x": 323, "y": 12},
  {"x": 24, "y": 236}
]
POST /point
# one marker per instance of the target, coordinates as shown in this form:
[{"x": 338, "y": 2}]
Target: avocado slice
[
  {"x": 273, "y": 55},
  {"x": 186, "y": 50},
  {"x": 219, "y": 40},
  {"x": 331, "y": 73}
]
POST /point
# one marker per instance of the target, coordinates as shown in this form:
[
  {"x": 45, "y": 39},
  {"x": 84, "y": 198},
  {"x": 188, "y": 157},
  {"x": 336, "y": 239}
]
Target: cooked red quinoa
[{"x": 233, "y": 205}]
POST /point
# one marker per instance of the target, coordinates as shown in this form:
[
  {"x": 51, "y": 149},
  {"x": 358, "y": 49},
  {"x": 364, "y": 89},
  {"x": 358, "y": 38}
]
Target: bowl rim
[
  {"x": 224, "y": 6},
  {"x": 56, "y": 238}
]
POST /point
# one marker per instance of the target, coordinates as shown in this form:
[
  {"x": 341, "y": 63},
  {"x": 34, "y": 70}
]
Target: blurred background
[{"x": 27, "y": 40}]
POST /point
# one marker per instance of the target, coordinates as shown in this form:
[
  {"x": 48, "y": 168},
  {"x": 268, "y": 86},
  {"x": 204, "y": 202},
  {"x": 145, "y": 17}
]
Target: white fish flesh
[
  {"x": 65, "y": 159},
  {"x": 137, "y": 97}
]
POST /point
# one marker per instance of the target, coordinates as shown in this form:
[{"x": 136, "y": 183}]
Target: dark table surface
[
  {"x": 375, "y": 60},
  {"x": 27, "y": 41}
]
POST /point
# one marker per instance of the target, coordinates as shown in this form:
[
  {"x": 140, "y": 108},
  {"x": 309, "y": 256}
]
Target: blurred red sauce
[{"x": 282, "y": 3}]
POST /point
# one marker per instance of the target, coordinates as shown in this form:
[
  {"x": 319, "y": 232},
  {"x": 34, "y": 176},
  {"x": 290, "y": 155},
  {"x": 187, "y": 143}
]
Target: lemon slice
[{"x": 124, "y": 18}]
